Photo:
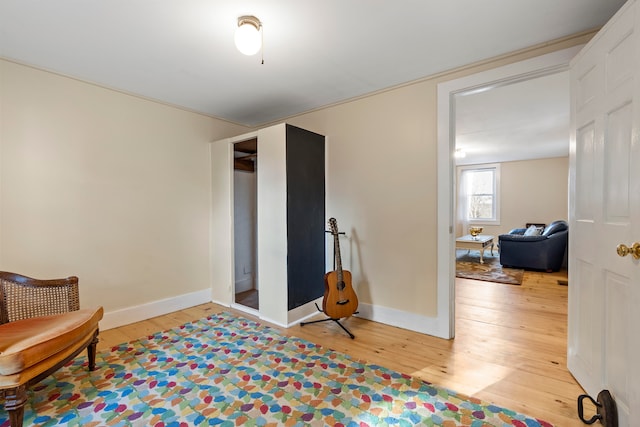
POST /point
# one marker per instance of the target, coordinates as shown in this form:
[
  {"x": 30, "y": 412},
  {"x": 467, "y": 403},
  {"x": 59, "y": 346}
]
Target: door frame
[
  {"x": 520, "y": 71},
  {"x": 222, "y": 271}
]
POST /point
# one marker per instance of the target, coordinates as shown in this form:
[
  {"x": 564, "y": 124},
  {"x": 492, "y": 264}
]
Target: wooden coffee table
[{"x": 478, "y": 243}]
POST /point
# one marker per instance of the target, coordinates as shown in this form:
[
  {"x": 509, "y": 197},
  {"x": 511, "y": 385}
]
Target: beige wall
[
  {"x": 117, "y": 190},
  {"x": 531, "y": 191},
  {"x": 106, "y": 186},
  {"x": 381, "y": 186}
]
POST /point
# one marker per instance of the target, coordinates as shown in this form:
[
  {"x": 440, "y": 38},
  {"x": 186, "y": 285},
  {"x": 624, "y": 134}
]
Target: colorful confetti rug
[{"x": 229, "y": 371}]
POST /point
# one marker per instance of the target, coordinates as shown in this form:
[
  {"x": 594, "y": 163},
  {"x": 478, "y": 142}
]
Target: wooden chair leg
[
  {"x": 91, "y": 352},
  {"x": 15, "y": 399}
]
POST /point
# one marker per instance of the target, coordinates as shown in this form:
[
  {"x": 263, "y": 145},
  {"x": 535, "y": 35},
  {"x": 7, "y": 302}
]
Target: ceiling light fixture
[{"x": 248, "y": 36}]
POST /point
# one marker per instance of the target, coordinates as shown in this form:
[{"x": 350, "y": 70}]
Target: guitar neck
[{"x": 336, "y": 247}]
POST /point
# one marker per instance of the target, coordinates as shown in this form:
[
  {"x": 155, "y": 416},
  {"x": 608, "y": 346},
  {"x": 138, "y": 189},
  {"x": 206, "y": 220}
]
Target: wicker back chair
[
  {"x": 42, "y": 328},
  {"x": 23, "y": 298}
]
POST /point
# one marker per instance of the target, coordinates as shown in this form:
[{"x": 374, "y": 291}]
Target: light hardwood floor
[{"x": 510, "y": 346}]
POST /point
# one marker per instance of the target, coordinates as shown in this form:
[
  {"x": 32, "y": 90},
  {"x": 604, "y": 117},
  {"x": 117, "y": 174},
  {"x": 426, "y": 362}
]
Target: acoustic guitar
[{"x": 340, "y": 299}]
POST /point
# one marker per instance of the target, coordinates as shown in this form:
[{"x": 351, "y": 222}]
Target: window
[{"x": 479, "y": 194}]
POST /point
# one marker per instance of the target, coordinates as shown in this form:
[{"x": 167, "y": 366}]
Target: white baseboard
[
  {"x": 244, "y": 285},
  {"x": 295, "y": 316},
  {"x": 401, "y": 319},
  {"x": 304, "y": 312},
  {"x": 245, "y": 309},
  {"x": 388, "y": 316},
  {"x": 125, "y": 316}
]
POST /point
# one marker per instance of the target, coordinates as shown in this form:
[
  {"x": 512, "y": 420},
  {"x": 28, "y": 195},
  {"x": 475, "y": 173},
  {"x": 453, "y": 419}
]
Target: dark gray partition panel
[{"x": 305, "y": 216}]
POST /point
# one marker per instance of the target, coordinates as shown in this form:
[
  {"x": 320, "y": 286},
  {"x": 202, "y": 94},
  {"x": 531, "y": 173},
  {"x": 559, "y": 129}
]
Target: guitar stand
[{"x": 330, "y": 318}]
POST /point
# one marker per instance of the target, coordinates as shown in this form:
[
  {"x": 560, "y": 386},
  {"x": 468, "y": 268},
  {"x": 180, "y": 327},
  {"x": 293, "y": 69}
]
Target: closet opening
[{"x": 245, "y": 225}]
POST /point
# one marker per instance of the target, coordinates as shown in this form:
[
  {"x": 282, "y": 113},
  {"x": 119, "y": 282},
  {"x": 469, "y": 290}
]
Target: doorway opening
[
  {"x": 512, "y": 130},
  {"x": 515, "y": 172},
  {"x": 245, "y": 224},
  {"x": 447, "y": 92}
]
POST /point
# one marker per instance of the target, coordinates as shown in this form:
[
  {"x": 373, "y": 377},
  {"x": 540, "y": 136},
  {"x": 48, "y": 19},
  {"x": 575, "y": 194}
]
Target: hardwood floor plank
[{"x": 510, "y": 346}]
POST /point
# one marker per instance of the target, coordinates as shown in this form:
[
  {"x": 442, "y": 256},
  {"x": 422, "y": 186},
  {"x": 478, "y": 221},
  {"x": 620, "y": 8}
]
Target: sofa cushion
[
  {"x": 27, "y": 342},
  {"x": 532, "y": 231}
]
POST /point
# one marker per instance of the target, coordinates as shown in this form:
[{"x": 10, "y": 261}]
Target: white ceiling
[
  {"x": 181, "y": 52},
  {"x": 315, "y": 53},
  {"x": 524, "y": 120}
]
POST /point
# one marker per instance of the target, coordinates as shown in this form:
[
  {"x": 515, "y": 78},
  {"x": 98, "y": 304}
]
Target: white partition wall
[
  {"x": 276, "y": 243},
  {"x": 221, "y": 229},
  {"x": 272, "y": 224}
]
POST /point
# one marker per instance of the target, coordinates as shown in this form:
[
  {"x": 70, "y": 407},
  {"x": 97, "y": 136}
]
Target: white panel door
[{"x": 604, "y": 288}]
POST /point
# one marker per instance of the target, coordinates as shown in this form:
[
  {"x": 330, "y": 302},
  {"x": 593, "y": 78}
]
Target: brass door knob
[{"x": 624, "y": 250}]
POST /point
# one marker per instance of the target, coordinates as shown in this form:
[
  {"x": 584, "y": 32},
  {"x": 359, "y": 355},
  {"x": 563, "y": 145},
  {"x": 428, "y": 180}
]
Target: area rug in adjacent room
[
  {"x": 468, "y": 266},
  {"x": 229, "y": 371}
]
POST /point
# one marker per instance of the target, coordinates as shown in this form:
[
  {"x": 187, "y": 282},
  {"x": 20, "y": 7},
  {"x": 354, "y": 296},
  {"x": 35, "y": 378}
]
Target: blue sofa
[{"x": 540, "y": 252}]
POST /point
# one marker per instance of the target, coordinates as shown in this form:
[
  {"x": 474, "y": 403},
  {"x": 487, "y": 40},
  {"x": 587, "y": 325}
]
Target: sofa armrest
[{"x": 558, "y": 235}]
